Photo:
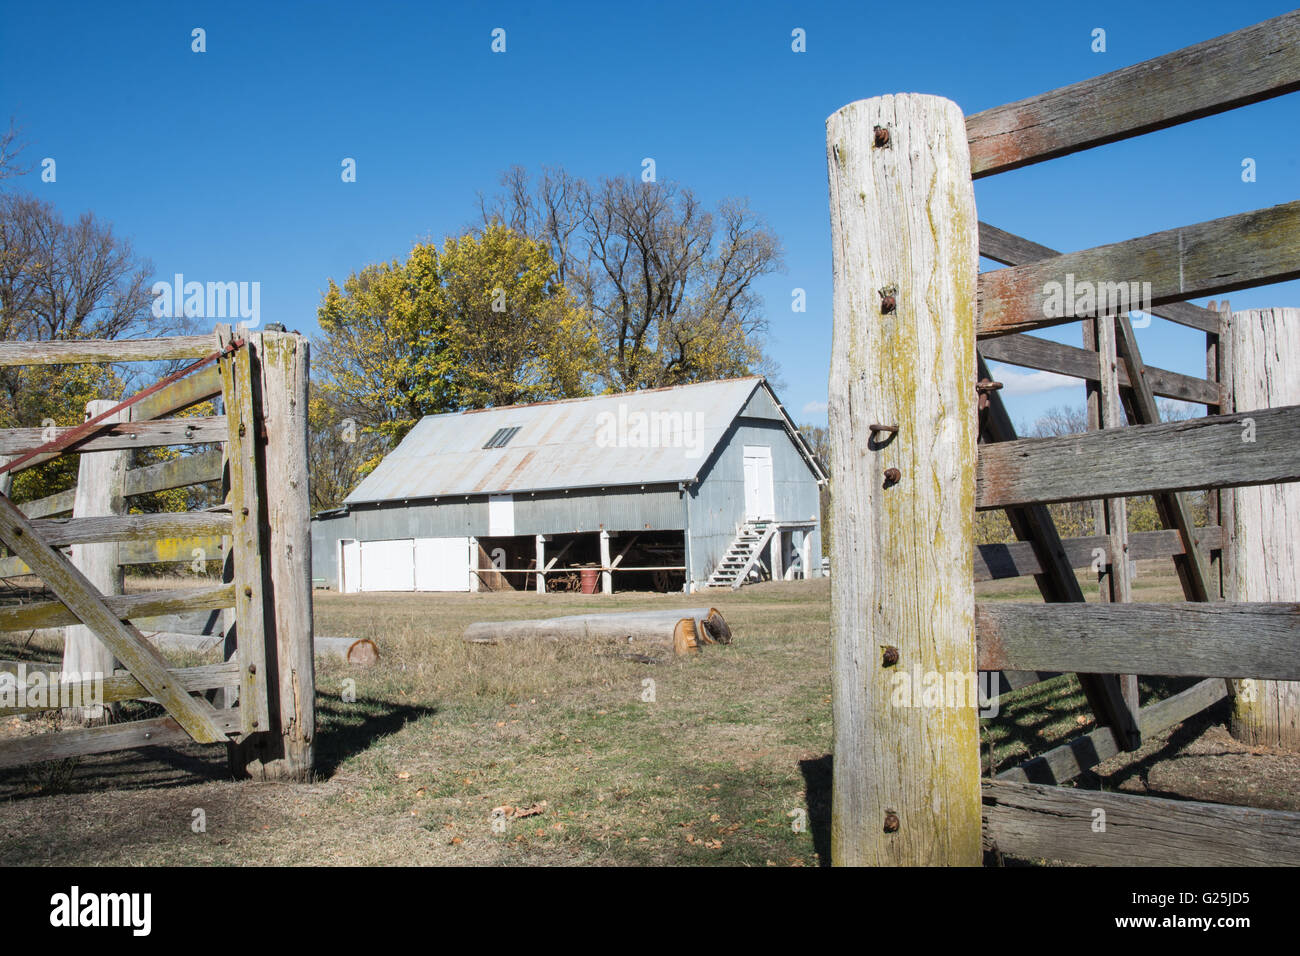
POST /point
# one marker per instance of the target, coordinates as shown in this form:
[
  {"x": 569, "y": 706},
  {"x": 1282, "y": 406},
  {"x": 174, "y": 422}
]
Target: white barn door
[
  {"x": 388, "y": 565},
  {"x": 760, "y": 497},
  {"x": 442, "y": 564},
  {"x": 501, "y": 516},
  {"x": 349, "y": 566}
]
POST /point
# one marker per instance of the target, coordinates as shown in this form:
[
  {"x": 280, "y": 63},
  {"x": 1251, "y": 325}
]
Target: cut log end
[
  {"x": 715, "y": 628},
  {"x": 686, "y": 638},
  {"x": 363, "y": 653},
  {"x": 358, "y": 652}
]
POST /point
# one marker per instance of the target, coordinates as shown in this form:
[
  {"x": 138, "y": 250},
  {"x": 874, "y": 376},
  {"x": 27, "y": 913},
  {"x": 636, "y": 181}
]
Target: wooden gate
[
  {"x": 261, "y": 701},
  {"x": 921, "y": 441}
]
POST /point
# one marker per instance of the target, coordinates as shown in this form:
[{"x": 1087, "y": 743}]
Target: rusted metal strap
[{"x": 77, "y": 433}]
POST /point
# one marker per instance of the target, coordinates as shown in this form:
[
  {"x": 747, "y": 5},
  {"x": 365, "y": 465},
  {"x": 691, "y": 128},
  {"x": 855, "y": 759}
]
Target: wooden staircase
[{"x": 744, "y": 551}]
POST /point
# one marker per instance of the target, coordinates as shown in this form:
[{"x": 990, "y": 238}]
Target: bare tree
[
  {"x": 64, "y": 281},
  {"x": 1060, "y": 420},
  {"x": 68, "y": 280},
  {"x": 553, "y": 211},
  {"x": 10, "y": 148},
  {"x": 1173, "y": 410},
  {"x": 340, "y": 450},
  {"x": 818, "y": 438},
  {"x": 668, "y": 283}
]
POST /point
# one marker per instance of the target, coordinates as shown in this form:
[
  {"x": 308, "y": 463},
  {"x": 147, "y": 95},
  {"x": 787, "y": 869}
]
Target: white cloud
[
  {"x": 1033, "y": 383},
  {"x": 815, "y": 408}
]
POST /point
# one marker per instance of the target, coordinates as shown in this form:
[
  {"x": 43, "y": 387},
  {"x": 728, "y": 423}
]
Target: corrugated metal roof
[{"x": 647, "y": 437}]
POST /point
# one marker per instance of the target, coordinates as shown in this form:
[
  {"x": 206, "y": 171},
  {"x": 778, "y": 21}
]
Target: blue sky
[{"x": 225, "y": 165}]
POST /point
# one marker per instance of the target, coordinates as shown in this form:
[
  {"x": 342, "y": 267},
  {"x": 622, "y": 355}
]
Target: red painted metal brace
[{"x": 75, "y": 434}]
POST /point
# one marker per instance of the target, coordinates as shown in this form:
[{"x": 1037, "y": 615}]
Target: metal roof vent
[{"x": 501, "y": 437}]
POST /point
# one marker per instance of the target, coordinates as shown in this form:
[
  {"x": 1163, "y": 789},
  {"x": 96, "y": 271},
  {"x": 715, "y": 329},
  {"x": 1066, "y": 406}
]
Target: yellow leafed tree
[{"x": 481, "y": 322}]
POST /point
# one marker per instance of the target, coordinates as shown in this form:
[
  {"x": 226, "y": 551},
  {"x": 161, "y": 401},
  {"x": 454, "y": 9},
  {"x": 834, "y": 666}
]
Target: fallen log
[
  {"x": 683, "y": 629},
  {"x": 359, "y": 652}
]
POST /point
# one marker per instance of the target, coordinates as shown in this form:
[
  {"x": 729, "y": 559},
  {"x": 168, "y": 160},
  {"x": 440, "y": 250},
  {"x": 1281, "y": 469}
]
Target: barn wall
[
  {"x": 717, "y": 503},
  {"x": 616, "y": 509},
  {"x": 760, "y": 405}
]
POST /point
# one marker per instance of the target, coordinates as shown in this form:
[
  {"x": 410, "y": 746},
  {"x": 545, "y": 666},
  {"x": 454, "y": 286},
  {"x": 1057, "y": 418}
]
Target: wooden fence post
[
  {"x": 245, "y": 624},
  {"x": 1218, "y": 368},
  {"x": 286, "y": 751},
  {"x": 1110, "y": 515},
  {"x": 1266, "y": 536},
  {"x": 906, "y": 786},
  {"x": 101, "y": 478}
]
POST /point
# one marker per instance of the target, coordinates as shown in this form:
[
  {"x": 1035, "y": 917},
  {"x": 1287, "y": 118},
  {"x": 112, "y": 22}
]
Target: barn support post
[
  {"x": 813, "y": 545},
  {"x": 541, "y": 564},
  {"x": 1266, "y": 538},
  {"x": 606, "y": 575},
  {"x": 906, "y": 782},
  {"x": 101, "y": 481},
  {"x": 475, "y": 585},
  {"x": 285, "y": 751}
]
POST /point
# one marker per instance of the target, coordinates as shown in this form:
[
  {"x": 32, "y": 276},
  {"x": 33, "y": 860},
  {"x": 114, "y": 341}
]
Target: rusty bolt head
[
  {"x": 890, "y": 656},
  {"x": 887, "y": 305},
  {"x": 881, "y": 136},
  {"x": 893, "y": 475},
  {"x": 891, "y": 822}
]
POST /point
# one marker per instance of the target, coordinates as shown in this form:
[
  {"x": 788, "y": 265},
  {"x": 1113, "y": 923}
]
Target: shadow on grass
[
  {"x": 346, "y": 729},
  {"x": 1186, "y": 732},
  {"x": 1037, "y": 718},
  {"x": 342, "y": 730},
  {"x": 817, "y": 775}
]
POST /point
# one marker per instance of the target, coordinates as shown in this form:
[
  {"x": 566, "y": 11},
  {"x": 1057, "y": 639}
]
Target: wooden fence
[
  {"x": 261, "y": 700},
  {"x": 910, "y": 392}
]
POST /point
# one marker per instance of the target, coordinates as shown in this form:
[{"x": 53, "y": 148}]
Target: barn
[{"x": 663, "y": 489}]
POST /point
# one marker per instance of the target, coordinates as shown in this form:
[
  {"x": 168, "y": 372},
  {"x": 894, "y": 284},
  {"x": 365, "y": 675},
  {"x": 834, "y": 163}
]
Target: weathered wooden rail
[
  {"x": 261, "y": 700},
  {"x": 915, "y": 325}
]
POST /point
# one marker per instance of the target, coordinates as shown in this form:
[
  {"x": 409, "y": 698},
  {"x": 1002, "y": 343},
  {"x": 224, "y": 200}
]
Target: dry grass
[{"x": 441, "y": 733}]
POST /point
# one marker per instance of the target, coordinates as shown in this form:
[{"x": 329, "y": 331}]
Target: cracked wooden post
[
  {"x": 1266, "y": 518},
  {"x": 285, "y": 751},
  {"x": 906, "y": 787}
]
